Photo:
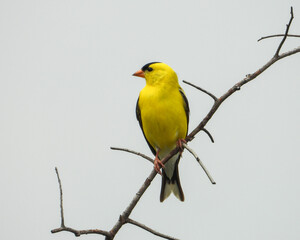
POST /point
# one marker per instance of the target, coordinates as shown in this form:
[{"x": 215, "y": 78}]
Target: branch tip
[
  {"x": 285, "y": 34},
  {"x": 199, "y": 161},
  {"x": 209, "y": 135},
  {"x": 133, "y": 222},
  {"x": 133, "y": 152},
  {"x": 61, "y": 199},
  {"x": 278, "y": 35},
  {"x": 202, "y": 90}
]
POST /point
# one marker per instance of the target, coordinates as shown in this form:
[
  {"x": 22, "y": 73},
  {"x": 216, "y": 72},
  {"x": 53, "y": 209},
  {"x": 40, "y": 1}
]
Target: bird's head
[{"x": 157, "y": 73}]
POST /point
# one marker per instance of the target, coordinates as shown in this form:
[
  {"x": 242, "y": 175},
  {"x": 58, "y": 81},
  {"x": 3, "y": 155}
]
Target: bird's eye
[{"x": 150, "y": 69}]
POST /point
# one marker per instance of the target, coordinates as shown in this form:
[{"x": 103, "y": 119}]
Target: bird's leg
[
  {"x": 157, "y": 163},
  {"x": 179, "y": 144}
]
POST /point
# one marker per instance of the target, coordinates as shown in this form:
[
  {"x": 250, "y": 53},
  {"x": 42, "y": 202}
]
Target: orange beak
[{"x": 139, "y": 73}]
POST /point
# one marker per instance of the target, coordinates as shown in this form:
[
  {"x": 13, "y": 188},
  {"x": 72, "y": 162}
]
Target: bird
[{"x": 162, "y": 111}]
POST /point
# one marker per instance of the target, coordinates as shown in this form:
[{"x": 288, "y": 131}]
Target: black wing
[
  {"x": 186, "y": 108},
  {"x": 139, "y": 118}
]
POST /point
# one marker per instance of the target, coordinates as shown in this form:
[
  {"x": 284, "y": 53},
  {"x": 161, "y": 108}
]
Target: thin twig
[
  {"x": 278, "y": 35},
  {"x": 133, "y": 152},
  {"x": 208, "y": 133},
  {"x": 149, "y": 229},
  {"x": 201, "y": 89},
  {"x": 77, "y": 233},
  {"x": 61, "y": 200},
  {"x": 200, "y": 162},
  {"x": 286, "y": 33}
]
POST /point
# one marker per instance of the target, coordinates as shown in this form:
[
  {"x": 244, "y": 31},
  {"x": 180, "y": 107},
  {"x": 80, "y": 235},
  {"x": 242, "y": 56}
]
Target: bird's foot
[
  {"x": 158, "y": 165},
  {"x": 179, "y": 144}
]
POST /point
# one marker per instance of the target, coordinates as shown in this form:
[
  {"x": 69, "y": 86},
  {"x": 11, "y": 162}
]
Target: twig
[
  {"x": 200, "y": 162},
  {"x": 201, "y": 89},
  {"x": 133, "y": 152},
  {"x": 278, "y": 35},
  {"x": 211, "y": 95},
  {"x": 208, "y": 133},
  {"x": 286, "y": 33},
  {"x": 61, "y": 200},
  {"x": 149, "y": 229},
  {"x": 77, "y": 233}
]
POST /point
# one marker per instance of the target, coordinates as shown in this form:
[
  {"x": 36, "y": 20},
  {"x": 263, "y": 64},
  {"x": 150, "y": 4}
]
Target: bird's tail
[{"x": 171, "y": 185}]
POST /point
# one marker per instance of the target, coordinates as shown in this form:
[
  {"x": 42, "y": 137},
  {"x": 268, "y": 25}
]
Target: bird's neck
[{"x": 163, "y": 81}]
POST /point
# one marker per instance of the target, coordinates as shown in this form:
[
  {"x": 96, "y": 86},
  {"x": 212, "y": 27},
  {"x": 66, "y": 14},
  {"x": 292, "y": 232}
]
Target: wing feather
[{"x": 186, "y": 108}]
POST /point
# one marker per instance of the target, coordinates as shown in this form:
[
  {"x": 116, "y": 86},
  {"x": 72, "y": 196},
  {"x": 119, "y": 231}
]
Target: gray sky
[{"x": 67, "y": 95}]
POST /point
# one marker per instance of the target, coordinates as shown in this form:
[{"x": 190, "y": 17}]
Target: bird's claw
[
  {"x": 158, "y": 165},
  {"x": 180, "y": 142}
]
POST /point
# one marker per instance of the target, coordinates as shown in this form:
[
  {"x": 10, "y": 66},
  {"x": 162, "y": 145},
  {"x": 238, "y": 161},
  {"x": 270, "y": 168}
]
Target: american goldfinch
[{"x": 162, "y": 110}]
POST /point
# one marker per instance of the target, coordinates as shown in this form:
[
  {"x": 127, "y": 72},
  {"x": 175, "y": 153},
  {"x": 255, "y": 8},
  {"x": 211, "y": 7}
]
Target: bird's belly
[{"x": 163, "y": 126}]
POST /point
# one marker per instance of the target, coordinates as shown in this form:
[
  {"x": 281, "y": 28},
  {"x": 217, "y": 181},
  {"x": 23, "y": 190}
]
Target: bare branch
[
  {"x": 77, "y": 233},
  {"x": 247, "y": 79},
  {"x": 63, "y": 228},
  {"x": 286, "y": 33},
  {"x": 199, "y": 161},
  {"x": 201, "y": 89},
  {"x": 218, "y": 101},
  {"x": 278, "y": 35},
  {"x": 139, "y": 194},
  {"x": 237, "y": 87},
  {"x": 149, "y": 229},
  {"x": 134, "y": 201},
  {"x": 133, "y": 152}
]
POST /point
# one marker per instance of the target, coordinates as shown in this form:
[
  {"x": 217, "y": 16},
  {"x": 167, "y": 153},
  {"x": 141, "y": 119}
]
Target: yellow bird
[{"x": 163, "y": 113}]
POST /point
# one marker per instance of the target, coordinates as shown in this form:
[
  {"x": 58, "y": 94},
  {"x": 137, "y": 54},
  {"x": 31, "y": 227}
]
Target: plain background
[{"x": 67, "y": 94}]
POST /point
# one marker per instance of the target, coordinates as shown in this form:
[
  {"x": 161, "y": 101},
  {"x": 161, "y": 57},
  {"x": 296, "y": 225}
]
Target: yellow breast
[{"x": 163, "y": 116}]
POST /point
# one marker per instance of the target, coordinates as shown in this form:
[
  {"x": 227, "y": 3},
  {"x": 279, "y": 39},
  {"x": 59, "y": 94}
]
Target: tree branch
[
  {"x": 125, "y": 215},
  {"x": 78, "y": 233},
  {"x": 278, "y": 35},
  {"x": 63, "y": 228},
  {"x": 247, "y": 79},
  {"x": 124, "y": 218}
]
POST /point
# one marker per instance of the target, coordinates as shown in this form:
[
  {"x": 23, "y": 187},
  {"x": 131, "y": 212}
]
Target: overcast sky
[{"x": 67, "y": 94}]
